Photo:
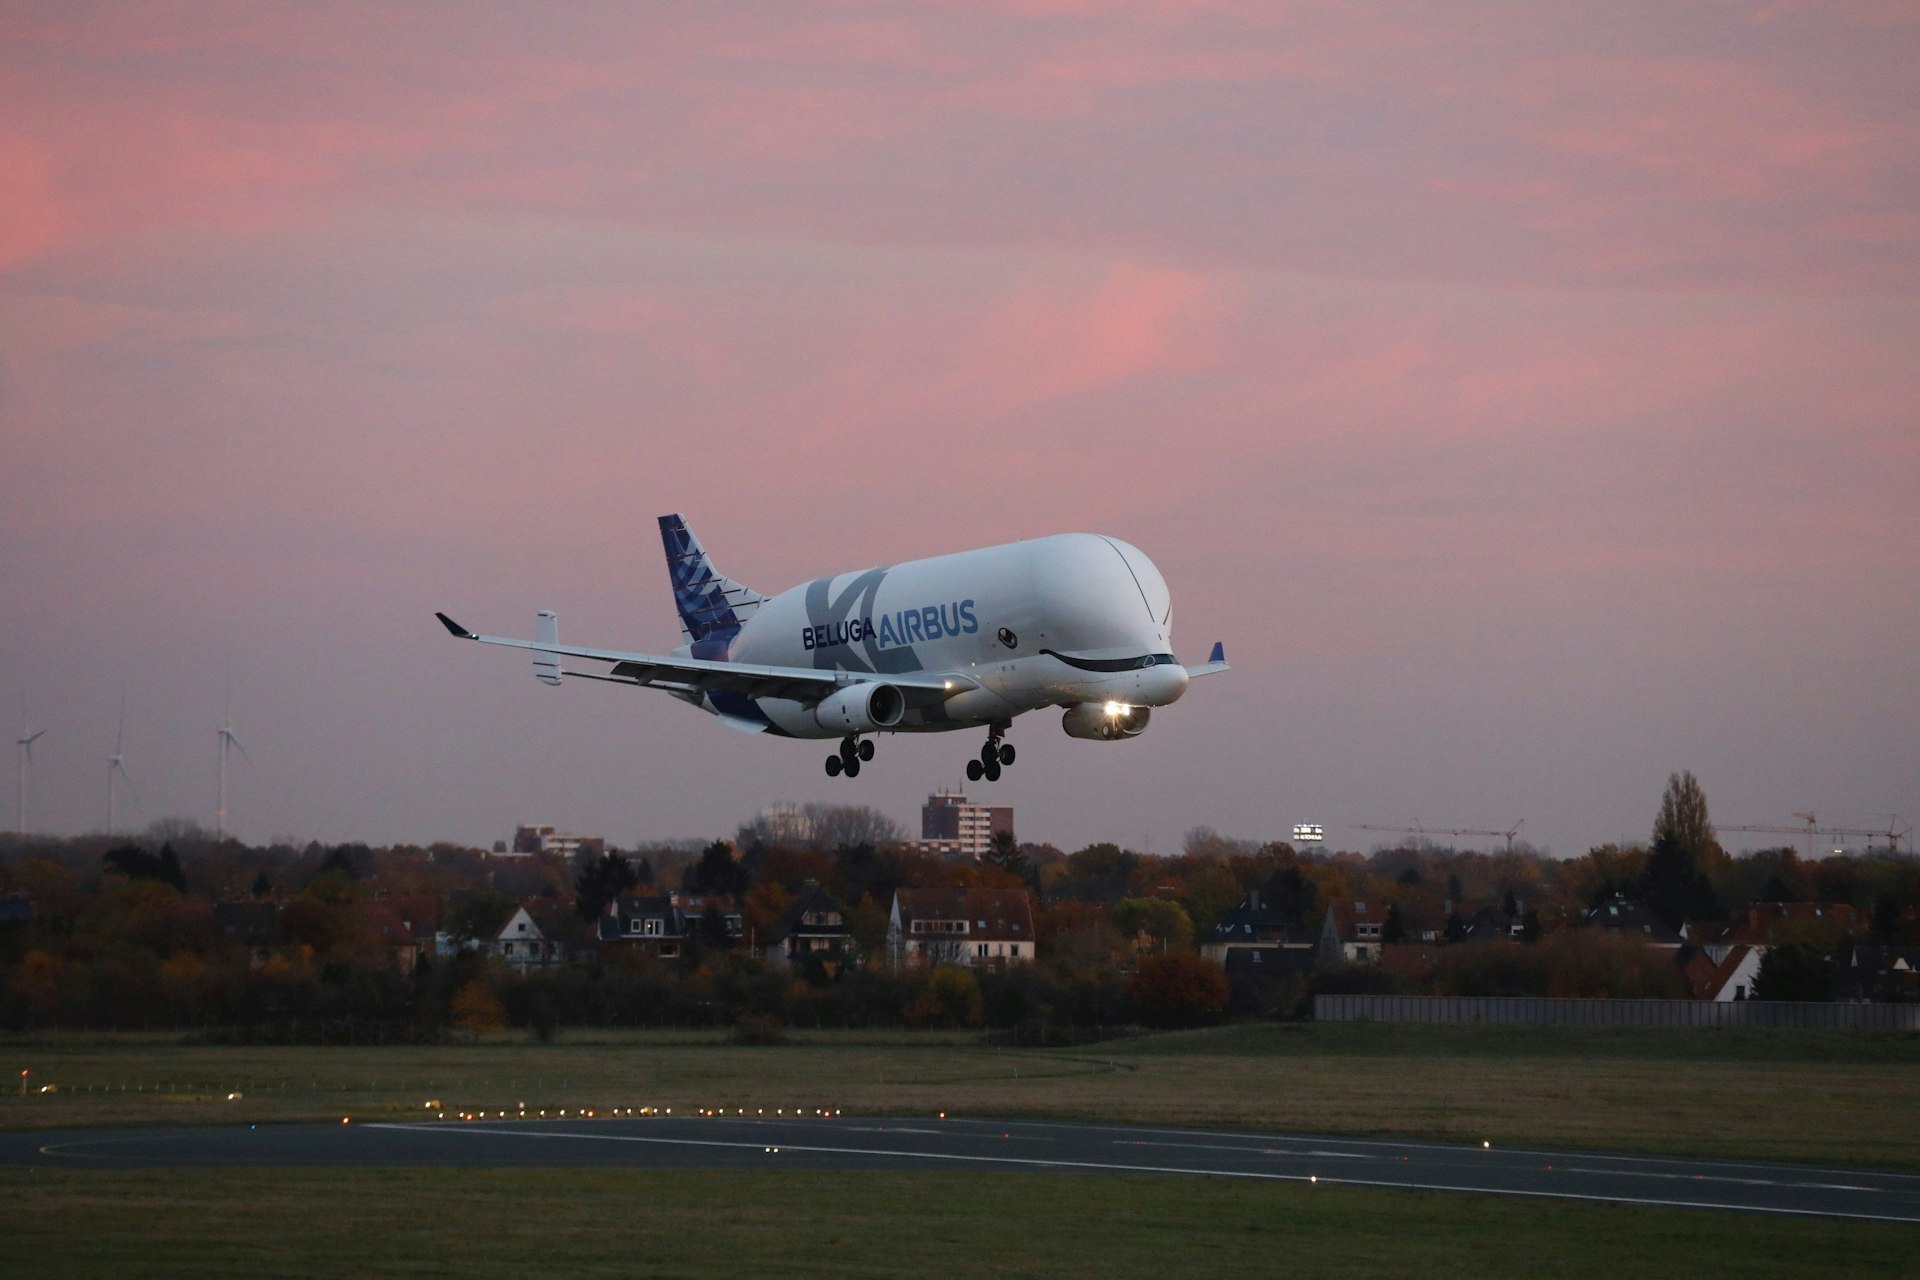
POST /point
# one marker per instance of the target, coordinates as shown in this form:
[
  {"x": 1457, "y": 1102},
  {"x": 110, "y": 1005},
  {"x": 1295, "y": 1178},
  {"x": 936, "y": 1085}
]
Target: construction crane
[
  {"x": 1417, "y": 830},
  {"x": 1895, "y": 832}
]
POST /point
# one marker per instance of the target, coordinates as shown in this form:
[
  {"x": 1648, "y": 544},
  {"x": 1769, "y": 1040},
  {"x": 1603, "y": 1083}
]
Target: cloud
[{"x": 32, "y": 218}]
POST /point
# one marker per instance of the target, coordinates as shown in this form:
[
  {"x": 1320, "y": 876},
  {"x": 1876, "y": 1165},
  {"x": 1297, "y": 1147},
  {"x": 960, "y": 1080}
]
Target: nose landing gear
[
  {"x": 993, "y": 755},
  {"x": 852, "y": 751}
]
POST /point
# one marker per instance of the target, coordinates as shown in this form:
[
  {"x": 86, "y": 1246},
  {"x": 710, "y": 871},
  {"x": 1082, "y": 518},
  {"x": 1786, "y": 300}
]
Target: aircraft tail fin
[{"x": 712, "y": 606}]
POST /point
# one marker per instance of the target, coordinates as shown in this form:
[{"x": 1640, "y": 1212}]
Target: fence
[{"x": 1618, "y": 1013}]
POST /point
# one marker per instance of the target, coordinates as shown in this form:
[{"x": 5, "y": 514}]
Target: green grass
[
  {"x": 1814, "y": 1097},
  {"x": 589, "y": 1223}
]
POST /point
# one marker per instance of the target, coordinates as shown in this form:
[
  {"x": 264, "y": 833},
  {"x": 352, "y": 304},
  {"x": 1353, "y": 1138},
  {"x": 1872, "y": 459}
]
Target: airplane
[{"x": 967, "y": 641}]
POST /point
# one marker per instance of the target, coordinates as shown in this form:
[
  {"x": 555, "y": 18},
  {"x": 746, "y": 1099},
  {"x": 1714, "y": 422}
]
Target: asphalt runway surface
[{"x": 849, "y": 1143}]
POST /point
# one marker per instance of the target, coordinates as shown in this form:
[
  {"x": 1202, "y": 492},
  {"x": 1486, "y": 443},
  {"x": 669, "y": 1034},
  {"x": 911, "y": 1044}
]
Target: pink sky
[{"x": 1527, "y": 394}]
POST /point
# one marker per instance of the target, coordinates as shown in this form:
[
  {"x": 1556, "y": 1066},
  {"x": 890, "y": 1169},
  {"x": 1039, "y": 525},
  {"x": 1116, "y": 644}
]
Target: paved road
[{"x": 862, "y": 1143}]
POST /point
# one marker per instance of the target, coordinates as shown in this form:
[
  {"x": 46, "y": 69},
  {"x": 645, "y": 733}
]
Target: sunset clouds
[{"x": 1536, "y": 378}]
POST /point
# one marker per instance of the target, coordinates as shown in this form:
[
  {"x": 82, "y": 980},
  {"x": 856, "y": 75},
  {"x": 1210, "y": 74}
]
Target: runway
[{"x": 847, "y": 1143}]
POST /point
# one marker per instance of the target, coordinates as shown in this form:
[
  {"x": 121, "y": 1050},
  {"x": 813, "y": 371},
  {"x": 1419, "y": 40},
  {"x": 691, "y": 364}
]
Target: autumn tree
[
  {"x": 1007, "y": 855},
  {"x": 137, "y": 864},
  {"x": 1162, "y": 920},
  {"x": 1795, "y": 971},
  {"x": 1099, "y": 872},
  {"x": 1675, "y": 883},
  {"x": 1292, "y": 894},
  {"x": 1178, "y": 989},
  {"x": 718, "y": 872},
  {"x": 1395, "y": 928},
  {"x": 1211, "y": 893},
  {"x": 476, "y": 1010},
  {"x": 760, "y": 914},
  {"x": 950, "y": 998},
  {"x": 601, "y": 880},
  {"x": 478, "y": 916}
]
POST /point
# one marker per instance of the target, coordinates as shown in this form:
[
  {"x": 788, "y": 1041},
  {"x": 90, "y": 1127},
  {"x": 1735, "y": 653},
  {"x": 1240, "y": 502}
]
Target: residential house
[
  {"x": 1254, "y": 933},
  {"x": 254, "y": 925},
  {"x": 1759, "y": 924},
  {"x": 1352, "y": 929},
  {"x": 1491, "y": 924},
  {"x": 696, "y": 906},
  {"x": 1631, "y": 918},
  {"x": 974, "y": 928},
  {"x": 814, "y": 925},
  {"x": 1720, "y": 973},
  {"x": 1882, "y": 973},
  {"x": 651, "y": 925},
  {"x": 538, "y": 935}
]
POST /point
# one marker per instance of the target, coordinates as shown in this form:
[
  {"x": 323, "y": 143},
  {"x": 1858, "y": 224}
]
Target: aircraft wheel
[
  {"x": 853, "y": 767},
  {"x": 990, "y": 751},
  {"x": 974, "y": 770},
  {"x": 992, "y": 771},
  {"x": 833, "y": 766},
  {"x": 1006, "y": 753},
  {"x": 866, "y": 748}
]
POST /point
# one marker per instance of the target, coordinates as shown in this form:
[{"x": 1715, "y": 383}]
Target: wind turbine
[
  {"x": 227, "y": 740},
  {"x": 116, "y": 766},
  {"x": 28, "y": 735}
]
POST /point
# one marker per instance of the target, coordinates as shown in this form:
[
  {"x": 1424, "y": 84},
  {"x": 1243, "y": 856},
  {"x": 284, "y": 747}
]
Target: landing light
[{"x": 1117, "y": 708}]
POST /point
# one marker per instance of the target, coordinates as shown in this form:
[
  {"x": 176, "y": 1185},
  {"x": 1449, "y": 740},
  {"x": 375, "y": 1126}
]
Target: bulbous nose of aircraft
[{"x": 1159, "y": 686}]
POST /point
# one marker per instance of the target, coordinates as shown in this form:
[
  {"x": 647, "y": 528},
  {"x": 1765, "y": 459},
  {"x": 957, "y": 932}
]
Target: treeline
[{"x": 323, "y": 942}]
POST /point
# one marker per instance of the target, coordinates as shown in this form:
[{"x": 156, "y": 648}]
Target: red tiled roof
[
  {"x": 1756, "y": 924},
  {"x": 992, "y": 915}
]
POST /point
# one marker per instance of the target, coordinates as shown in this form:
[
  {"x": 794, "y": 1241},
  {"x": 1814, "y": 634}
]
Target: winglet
[
  {"x": 454, "y": 627},
  {"x": 1219, "y": 653}
]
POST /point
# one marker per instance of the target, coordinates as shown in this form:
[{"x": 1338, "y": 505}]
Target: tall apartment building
[{"x": 955, "y": 828}]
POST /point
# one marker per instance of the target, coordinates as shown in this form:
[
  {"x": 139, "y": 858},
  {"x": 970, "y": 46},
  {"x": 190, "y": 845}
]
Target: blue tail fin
[{"x": 712, "y": 607}]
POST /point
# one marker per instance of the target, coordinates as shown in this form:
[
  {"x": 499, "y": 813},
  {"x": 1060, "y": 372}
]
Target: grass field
[
  {"x": 581, "y": 1223},
  {"x": 1818, "y": 1097}
]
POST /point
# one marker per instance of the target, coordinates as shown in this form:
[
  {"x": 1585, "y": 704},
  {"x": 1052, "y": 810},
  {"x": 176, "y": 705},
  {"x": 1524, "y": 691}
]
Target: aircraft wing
[{"x": 704, "y": 675}]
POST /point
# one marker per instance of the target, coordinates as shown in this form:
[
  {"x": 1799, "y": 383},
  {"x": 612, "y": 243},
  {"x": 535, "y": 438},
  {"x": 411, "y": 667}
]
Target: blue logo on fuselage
[{"x": 907, "y": 626}]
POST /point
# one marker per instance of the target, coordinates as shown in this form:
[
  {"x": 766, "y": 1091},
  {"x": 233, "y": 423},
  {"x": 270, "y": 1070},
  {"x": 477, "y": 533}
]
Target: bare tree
[
  {"x": 847, "y": 826},
  {"x": 1683, "y": 815}
]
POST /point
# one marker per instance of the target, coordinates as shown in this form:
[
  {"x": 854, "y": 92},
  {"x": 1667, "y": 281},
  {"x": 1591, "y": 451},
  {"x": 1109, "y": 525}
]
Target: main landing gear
[
  {"x": 852, "y": 751},
  {"x": 993, "y": 755}
]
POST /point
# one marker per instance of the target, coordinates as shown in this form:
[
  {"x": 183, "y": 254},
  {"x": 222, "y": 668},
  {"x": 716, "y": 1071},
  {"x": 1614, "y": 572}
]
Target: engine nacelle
[
  {"x": 1105, "y": 721},
  {"x": 862, "y": 708}
]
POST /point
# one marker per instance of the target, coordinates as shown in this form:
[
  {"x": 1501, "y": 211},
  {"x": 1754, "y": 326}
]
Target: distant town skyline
[{"x": 1525, "y": 395}]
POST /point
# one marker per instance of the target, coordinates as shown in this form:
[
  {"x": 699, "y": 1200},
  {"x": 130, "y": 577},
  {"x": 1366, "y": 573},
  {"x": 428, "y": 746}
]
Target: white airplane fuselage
[
  {"x": 1074, "y": 618},
  {"x": 1078, "y": 621}
]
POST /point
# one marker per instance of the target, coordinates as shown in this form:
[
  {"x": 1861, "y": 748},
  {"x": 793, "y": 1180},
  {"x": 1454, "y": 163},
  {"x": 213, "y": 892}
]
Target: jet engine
[
  {"x": 1105, "y": 721},
  {"x": 862, "y": 708}
]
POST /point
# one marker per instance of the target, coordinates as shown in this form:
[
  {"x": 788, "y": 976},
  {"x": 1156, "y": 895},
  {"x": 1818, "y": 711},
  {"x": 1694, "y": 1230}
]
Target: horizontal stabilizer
[
  {"x": 546, "y": 633},
  {"x": 1216, "y": 662}
]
